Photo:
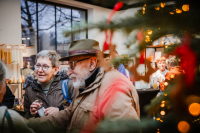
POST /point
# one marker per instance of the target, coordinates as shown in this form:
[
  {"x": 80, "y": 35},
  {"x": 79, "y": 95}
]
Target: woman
[
  {"x": 47, "y": 87},
  {"x": 10, "y": 121}
]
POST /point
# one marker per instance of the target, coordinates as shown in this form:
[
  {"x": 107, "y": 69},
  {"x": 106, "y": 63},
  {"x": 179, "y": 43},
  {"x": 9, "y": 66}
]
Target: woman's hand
[
  {"x": 34, "y": 108},
  {"x": 51, "y": 110}
]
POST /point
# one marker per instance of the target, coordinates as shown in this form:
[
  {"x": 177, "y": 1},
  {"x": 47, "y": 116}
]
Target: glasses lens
[
  {"x": 37, "y": 67},
  {"x": 45, "y": 68},
  {"x": 72, "y": 65}
]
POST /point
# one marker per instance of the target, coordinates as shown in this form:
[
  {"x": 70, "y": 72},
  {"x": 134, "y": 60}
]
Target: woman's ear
[
  {"x": 93, "y": 64},
  {"x": 56, "y": 70}
]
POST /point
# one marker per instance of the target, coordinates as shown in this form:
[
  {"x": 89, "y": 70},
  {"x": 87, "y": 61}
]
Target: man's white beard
[{"x": 80, "y": 82}]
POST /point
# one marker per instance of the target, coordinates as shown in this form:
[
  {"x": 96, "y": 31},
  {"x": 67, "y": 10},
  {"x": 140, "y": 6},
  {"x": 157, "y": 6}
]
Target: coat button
[{"x": 77, "y": 101}]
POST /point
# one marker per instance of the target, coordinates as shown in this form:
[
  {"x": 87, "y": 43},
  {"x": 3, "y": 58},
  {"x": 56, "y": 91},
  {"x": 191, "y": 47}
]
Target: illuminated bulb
[
  {"x": 166, "y": 46},
  {"x": 162, "y": 5},
  {"x": 159, "y": 28},
  {"x": 157, "y": 8},
  {"x": 165, "y": 94},
  {"x": 166, "y": 84},
  {"x": 178, "y": 11},
  {"x": 185, "y": 7},
  {"x": 161, "y": 120},
  {"x": 162, "y": 105},
  {"x": 171, "y": 12},
  {"x": 194, "y": 109},
  {"x": 149, "y": 32},
  {"x": 147, "y": 39},
  {"x": 163, "y": 102},
  {"x": 162, "y": 112},
  {"x": 171, "y": 76},
  {"x": 183, "y": 126},
  {"x": 157, "y": 119}
]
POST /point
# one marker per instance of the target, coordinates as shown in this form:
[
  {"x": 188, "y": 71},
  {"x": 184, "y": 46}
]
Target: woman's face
[
  {"x": 44, "y": 70},
  {"x": 2, "y": 90}
]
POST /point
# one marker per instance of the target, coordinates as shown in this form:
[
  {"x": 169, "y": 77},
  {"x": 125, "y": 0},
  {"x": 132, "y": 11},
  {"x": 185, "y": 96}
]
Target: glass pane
[
  {"x": 63, "y": 20},
  {"x": 78, "y": 18},
  {"x": 46, "y": 26},
  {"x": 28, "y": 23}
]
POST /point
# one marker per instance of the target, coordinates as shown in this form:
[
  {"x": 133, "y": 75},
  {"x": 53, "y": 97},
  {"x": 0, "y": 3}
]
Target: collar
[{"x": 92, "y": 77}]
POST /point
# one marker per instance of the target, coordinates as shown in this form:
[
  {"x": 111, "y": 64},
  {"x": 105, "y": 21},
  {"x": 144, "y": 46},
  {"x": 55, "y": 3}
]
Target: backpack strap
[
  {"x": 4, "y": 113},
  {"x": 65, "y": 90}
]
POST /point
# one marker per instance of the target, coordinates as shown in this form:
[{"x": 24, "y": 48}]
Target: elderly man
[{"x": 104, "y": 94}]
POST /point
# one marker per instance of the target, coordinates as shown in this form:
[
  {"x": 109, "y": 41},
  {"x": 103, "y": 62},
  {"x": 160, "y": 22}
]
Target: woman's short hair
[
  {"x": 2, "y": 72},
  {"x": 161, "y": 59},
  {"x": 52, "y": 55}
]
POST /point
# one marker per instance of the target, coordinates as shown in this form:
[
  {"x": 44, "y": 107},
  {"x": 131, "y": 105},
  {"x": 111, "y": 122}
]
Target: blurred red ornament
[{"x": 188, "y": 60}]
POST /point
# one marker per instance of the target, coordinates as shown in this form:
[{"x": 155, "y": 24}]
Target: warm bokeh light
[
  {"x": 162, "y": 112},
  {"x": 157, "y": 119},
  {"x": 171, "y": 12},
  {"x": 165, "y": 94},
  {"x": 163, "y": 102},
  {"x": 161, "y": 120},
  {"x": 183, "y": 126},
  {"x": 185, "y": 7},
  {"x": 162, "y": 5},
  {"x": 157, "y": 8},
  {"x": 178, "y": 11},
  {"x": 147, "y": 39},
  {"x": 162, "y": 105},
  {"x": 194, "y": 109},
  {"x": 149, "y": 32},
  {"x": 166, "y": 84},
  {"x": 166, "y": 46},
  {"x": 171, "y": 76}
]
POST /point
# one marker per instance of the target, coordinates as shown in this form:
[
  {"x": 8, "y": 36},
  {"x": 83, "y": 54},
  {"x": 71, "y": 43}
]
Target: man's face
[
  {"x": 79, "y": 72},
  {"x": 162, "y": 65}
]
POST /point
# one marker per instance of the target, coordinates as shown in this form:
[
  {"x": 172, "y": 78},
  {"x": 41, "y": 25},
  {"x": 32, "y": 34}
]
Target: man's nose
[{"x": 69, "y": 72}]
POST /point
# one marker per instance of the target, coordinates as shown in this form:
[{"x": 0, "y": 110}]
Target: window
[{"x": 43, "y": 24}]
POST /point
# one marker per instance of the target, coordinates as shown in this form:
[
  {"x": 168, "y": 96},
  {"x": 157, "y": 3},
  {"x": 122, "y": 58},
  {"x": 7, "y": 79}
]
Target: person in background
[
  {"x": 8, "y": 98},
  {"x": 10, "y": 120},
  {"x": 160, "y": 73},
  {"x": 174, "y": 70},
  {"x": 47, "y": 87}
]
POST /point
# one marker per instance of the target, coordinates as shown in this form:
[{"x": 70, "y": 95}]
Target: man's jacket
[{"x": 110, "y": 96}]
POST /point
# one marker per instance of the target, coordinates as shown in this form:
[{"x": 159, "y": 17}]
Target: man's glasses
[
  {"x": 72, "y": 65},
  {"x": 44, "y": 68}
]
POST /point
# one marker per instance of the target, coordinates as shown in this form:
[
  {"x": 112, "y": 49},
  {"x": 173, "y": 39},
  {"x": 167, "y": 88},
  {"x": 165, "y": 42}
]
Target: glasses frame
[
  {"x": 72, "y": 65},
  {"x": 42, "y": 67}
]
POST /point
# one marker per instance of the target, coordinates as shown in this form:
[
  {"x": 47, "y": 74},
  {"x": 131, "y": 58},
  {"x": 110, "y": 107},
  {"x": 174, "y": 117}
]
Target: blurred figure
[
  {"x": 174, "y": 70},
  {"x": 8, "y": 98},
  {"x": 10, "y": 121},
  {"x": 161, "y": 72}
]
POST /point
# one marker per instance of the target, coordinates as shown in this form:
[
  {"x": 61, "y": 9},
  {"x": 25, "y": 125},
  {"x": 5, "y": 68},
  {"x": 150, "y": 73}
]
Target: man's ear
[
  {"x": 93, "y": 64},
  {"x": 56, "y": 70}
]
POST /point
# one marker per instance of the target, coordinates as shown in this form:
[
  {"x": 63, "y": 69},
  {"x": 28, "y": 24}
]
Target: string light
[
  {"x": 178, "y": 11},
  {"x": 171, "y": 76},
  {"x": 166, "y": 46},
  {"x": 162, "y": 5},
  {"x": 149, "y": 32},
  {"x": 162, "y": 105},
  {"x": 171, "y": 12},
  {"x": 163, "y": 102},
  {"x": 147, "y": 39},
  {"x": 162, "y": 112},
  {"x": 143, "y": 9},
  {"x": 157, "y": 119},
  {"x": 194, "y": 109},
  {"x": 185, "y": 7},
  {"x": 183, "y": 126},
  {"x": 157, "y": 8},
  {"x": 166, "y": 84}
]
